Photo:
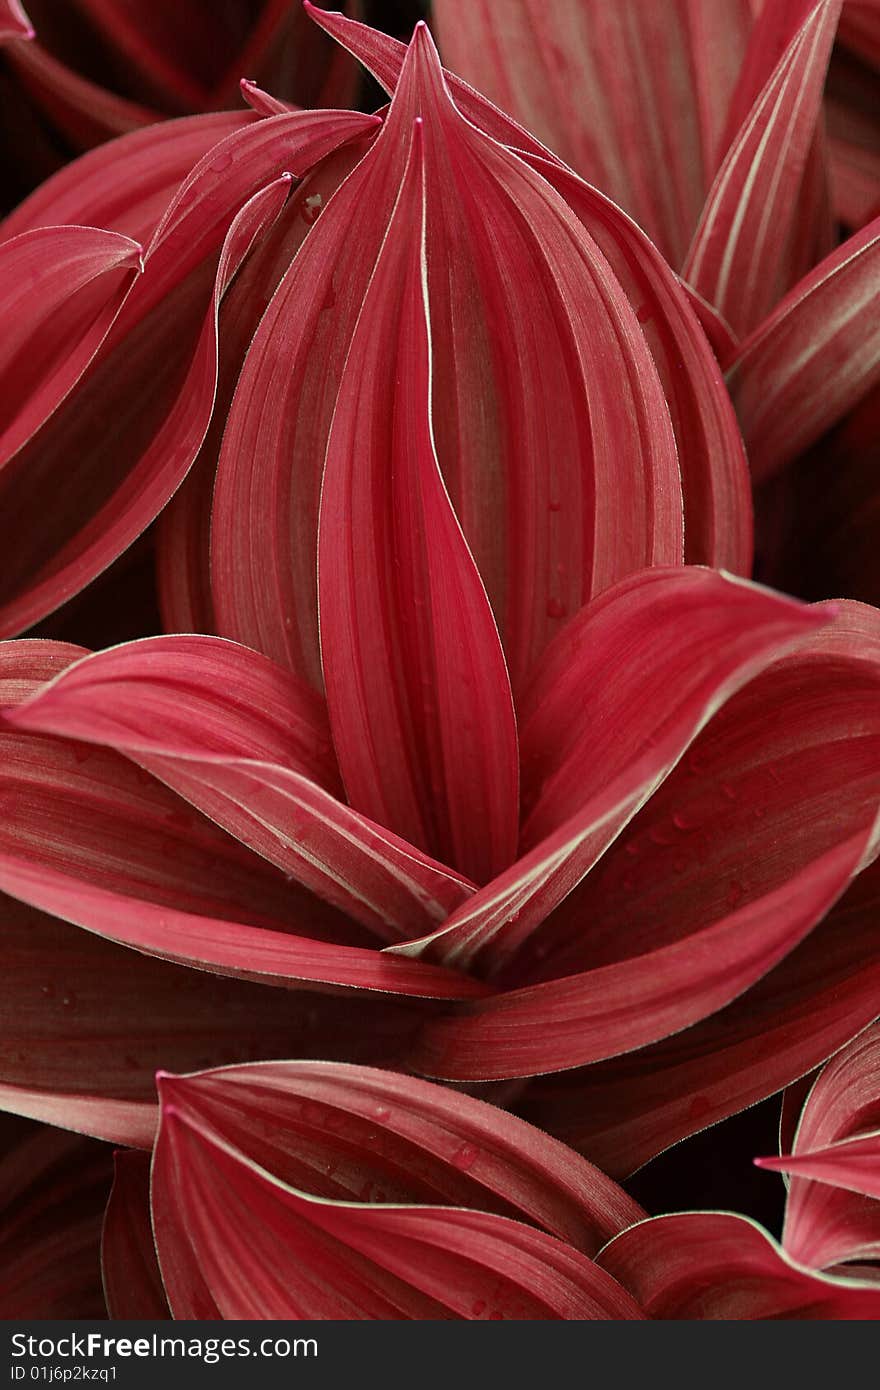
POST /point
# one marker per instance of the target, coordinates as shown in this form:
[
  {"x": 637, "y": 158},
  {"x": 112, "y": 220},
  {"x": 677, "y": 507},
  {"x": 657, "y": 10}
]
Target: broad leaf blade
[{"x": 713, "y": 1265}]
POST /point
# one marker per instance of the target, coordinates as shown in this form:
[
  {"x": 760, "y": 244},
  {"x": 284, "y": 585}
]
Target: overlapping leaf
[
  {"x": 60, "y": 290},
  {"x": 417, "y": 687},
  {"x": 583, "y": 76},
  {"x": 703, "y": 918},
  {"x": 832, "y": 1210},
  {"x": 322, "y": 1257},
  {"x": 350, "y": 1133},
  {"x": 593, "y": 750},
  {"x": 570, "y": 380},
  {"x": 252, "y": 768},
  {"x": 711, "y": 1265},
  {"x": 87, "y": 1024},
  {"x": 105, "y": 463},
  {"x": 622, "y": 1112},
  {"x": 813, "y": 358},
  {"x": 752, "y": 209},
  {"x": 717, "y": 524},
  {"x": 183, "y": 533},
  {"x": 715, "y": 479}
]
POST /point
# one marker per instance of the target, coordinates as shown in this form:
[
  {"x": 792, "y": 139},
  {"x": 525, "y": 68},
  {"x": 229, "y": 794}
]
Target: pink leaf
[
  {"x": 599, "y": 415},
  {"x": 832, "y": 1211},
  {"x": 384, "y": 57},
  {"x": 714, "y": 472},
  {"x": 813, "y": 358},
  {"x": 258, "y": 760},
  {"x": 203, "y": 693},
  {"x": 417, "y": 688},
  {"x": 92, "y": 838},
  {"x": 752, "y": 208},
  {"x": 853, "y": 1164},
  {"x": 349, "y": 1133},
  {"x": 621, "y": 1006},
  {"x": 703, "y": 918},
  {"x": 184, "y": 528},
  {"x": 112, "y": 455},
  {"x": 712, "y": 1265},
  {"x": 61, "y": 288},
  {"x": 622, "y": 1112},
  {"x": 583, "y": 76},
  {"x": 317, "y": 1258},
  {"x": 94, "y": 1022},
  {"x": 163, "y": 463},
  {"x": 263, "y": 102},
  {"x": 594, "y": 749}
]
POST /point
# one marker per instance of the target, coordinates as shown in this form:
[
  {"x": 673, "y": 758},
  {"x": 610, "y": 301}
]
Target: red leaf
[
  {"x": 704, "y": 918},
  {"x": 127, "y": 184},
  {"x": 109, "y": 459},
  {"x": 832, "y": 1212},
  {"x": 316, "y": 1258},
  {"x": 183, "y": 532},
  {"x": 253, "y": 761},
  {"x": 94, "y": 1022},
  {"x": 61, "y": 288},
  {"x": 853, "y": 1164},
  {"x": 712, "y": 1265},
  {"x": 417, "y": 688},
  {"x": 583, "y": 77},
  {"x": 752, "y": 208},
  {"x": 132, "y": 1282},
  {"x": 595, "y": 749},
  {"x": 357, "y": 1134},
  {"x": 204, "y": 694},
  {"x": 162, "y": 464},
  {"x": 624, "y": 1111},
  {"x": 719, "y": 332},
  {"x": 384, "y": 57},
  {"x": 621, "y": 1006},
  {"x": 599, "y": 414},
  {"x": 813, "y": 359},
  {"x": 92, "y": 838},
  {"x": 14, "y": 22},
  {"x": 263, "y": 102},
  {"x": 812, "y": 233},
  {"x": 714, "y": 471}
]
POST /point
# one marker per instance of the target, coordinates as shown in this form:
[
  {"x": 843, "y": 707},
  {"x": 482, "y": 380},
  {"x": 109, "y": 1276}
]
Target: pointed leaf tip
[
  {"x": 417, "y": 686},
  {"x": 377, "y": 1259},
  {"x": 15, "y": 22},
  {"x": 832, "y": 1211},
  {"x": 747, "y": 227},
  {"x": 352, "y": 1133}
]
